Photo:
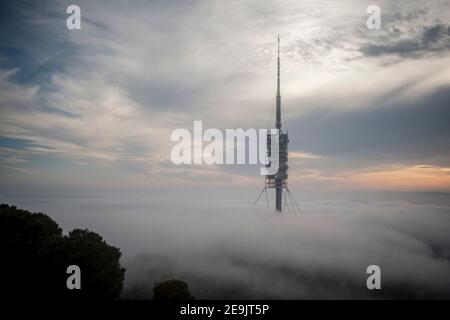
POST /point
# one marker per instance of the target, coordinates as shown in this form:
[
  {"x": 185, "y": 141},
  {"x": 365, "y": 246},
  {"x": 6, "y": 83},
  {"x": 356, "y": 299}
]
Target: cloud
[
  {"x": 113, "y": 92},
  {"x": 396, "y": 131},
  {"x": 430, "y": 40},
  {"x": 324, "y": 255},
  {"x": 78, "y": 118},
  {"x": 223, "y": 248}
]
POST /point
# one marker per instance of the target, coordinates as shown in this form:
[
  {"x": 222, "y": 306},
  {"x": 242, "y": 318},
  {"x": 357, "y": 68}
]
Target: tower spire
[
  {"x": 278, "y": 98},
  {"x": 279, "y": 178}
]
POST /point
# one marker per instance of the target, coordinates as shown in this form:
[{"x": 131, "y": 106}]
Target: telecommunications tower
[{"x": 284, "y": 200}]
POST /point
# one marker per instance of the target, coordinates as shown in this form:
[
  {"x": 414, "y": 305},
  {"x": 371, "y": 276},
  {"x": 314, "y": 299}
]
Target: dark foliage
[
  {"x": 171, "y": 290},
  {"x": 36, "y": 254}
]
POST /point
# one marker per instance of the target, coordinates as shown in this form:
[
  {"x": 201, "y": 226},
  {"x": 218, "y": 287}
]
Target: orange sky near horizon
[{"x": 411, "y": 178}]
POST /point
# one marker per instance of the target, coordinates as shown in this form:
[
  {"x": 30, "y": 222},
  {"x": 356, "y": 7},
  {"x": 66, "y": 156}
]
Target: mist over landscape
[{"x": 235, "y": 251}]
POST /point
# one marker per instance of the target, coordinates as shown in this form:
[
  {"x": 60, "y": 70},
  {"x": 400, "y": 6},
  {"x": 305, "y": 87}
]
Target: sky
[
  {"x": 86, "y": 118},
  {"x": 94, "y": 108}
]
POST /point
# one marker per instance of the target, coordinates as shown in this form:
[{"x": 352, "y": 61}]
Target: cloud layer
[
  {"x": 109, "y": 95},
  {"x": 224, "y": 249}
]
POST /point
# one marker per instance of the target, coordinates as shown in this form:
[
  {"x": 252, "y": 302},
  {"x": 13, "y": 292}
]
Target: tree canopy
[
  {"x": 36, "y": 254},
  {"x": 172, "y": 290}
]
